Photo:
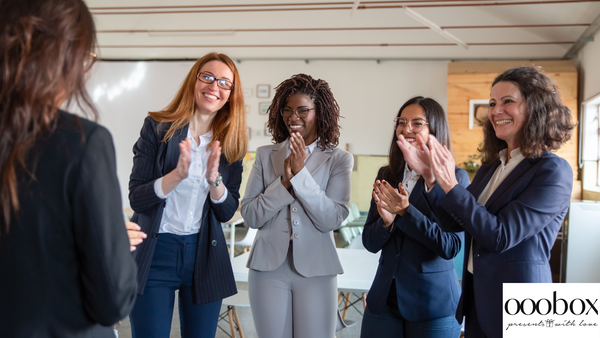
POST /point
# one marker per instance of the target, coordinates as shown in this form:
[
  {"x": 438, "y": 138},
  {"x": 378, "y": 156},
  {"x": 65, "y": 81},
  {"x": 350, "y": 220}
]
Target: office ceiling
[{"x": 337, "y": 29}]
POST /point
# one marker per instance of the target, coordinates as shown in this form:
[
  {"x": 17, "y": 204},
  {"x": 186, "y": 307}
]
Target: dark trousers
[
  {"x": 173, "y": 269},
  {"x": 472, "y": 326},
  {"x": 389, "y": 323}
]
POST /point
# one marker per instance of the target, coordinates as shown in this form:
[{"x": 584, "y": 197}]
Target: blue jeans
[
  {"x": 173, "y": 269},
  {"x": 389, "y": 323}
]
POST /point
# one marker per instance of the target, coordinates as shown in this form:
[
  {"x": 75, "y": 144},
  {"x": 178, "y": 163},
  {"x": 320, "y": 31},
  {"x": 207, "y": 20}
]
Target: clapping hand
[
  {"x": 185, "y": 158},
  {"x": 442, "y": 165},
  {"x": 390, "y": 201},
  {"x": 297, "y": 152},
  {"x": 212, "y": 165},
  {"x": 417, "y": 158}
]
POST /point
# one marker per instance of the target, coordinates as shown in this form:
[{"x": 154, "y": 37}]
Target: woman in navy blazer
[
  {"x": 416, "y": 290},
  {"x": 512, "y": 211},
  {"x": 182, "y": 188}
]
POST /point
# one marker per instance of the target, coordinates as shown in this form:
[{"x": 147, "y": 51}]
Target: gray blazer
[{"x": 308, "y": 215}]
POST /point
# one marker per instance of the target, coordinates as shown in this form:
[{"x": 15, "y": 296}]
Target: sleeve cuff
[
  {"x": 158, "y": 188},
  {"x": 222, "y": 199}
]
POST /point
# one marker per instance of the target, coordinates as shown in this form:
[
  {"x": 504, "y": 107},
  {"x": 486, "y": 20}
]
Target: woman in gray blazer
[{"x": 297, "y": 194}]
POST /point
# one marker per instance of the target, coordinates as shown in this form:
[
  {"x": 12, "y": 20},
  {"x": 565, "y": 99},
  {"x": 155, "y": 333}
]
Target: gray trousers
[{"x": 285, "y": 304}]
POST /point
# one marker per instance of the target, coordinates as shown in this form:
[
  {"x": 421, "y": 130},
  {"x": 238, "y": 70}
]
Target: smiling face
[
  {"x": 209, "y": 97},
  {"x": 306, "y": 126},
  {"x": 508, "y": 112},
  {"x": 412, "y": 114}
]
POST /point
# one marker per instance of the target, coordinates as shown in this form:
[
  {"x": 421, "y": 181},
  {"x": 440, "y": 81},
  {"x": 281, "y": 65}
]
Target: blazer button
[
  {"x": 476, "y": 255},
  {"x": 294, "y": 209},
  {"x": 296, "y": 235},
  {"x": 296, "y": 222},
  {"x": 214, "y": 242},
  {"x": 155, "y": 235}
]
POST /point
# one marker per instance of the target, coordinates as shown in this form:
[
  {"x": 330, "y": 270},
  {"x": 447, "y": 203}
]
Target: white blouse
[{"x": 183, "y": 211}]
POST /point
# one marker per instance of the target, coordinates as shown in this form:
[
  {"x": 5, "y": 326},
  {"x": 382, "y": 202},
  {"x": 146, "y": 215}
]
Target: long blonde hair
[{"x": 228, "y": 126}]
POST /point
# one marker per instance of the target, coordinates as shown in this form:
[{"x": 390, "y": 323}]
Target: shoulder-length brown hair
[
  {"x": 45, "y": 50},
  {"x": 228, "y": 126},
  {"x": 327, "y": 109},
  {"x": 547, "y": 121},
  {"x": 438, "y": 127}
]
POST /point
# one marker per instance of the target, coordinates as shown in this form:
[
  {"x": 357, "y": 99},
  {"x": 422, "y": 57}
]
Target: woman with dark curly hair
[
  {"x": 514, "y": 207},
  {"x": 297, "y": 195}
]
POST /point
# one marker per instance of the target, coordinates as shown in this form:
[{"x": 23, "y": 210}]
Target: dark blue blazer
[
  {"x": 213, "y": 275},
  {"x": 512, "y": 234},
  {"x": 417, "y": 255}
]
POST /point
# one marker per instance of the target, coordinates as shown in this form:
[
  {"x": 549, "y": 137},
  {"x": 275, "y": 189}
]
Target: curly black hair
[
  {"x": 548, "y": 122},
  {"x": 327, "y": 110}
]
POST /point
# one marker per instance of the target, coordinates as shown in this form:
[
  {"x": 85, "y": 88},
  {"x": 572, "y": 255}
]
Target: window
[{"x": 589, "y": 158}]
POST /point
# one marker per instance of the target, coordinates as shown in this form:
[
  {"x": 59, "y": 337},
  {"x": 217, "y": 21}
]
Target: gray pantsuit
[
  {"x": 293, "y": 263},
  {"x": 285, "y": 304}
]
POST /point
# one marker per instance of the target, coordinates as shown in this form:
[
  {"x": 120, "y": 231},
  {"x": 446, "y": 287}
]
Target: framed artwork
[
  {"x": 247, "y": 108},
  {"x": 263, "y": 108},
  {"x": 267, "y": 133},
  {"x": 263, "y": 91},
  {"x": 478, "y": 112},
  {"x": 249, "y": 133},
  {"x": 247, "y": 92}
]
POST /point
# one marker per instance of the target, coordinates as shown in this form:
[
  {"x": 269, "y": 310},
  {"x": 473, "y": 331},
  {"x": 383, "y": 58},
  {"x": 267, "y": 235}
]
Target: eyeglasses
[
  {"x": 301, "y": 112},
  {"x": 416, "y": 125},
  {"x": 209, "y": 78}
]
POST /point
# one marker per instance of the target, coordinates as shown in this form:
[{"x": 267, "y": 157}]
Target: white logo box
[{"x": 551, "y": 310}]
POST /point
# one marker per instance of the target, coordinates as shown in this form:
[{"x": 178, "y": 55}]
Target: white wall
[
  {"x": 589, "y": 59},
  {"x": 369, "y": 95}
]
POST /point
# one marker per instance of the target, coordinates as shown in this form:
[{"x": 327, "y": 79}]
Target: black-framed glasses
[
  {"x": 209, "y": 78},
  {"x": 416, "y": 125},
  {"x": 301, "y": 112}
]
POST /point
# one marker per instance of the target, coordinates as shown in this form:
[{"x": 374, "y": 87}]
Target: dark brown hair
[
  {"x": 327, "y": 110},
  {"x": 228, "y": 126},
  {"x": 438, "y": 127},
  {"x": 45, "y": 46},
  {"x": 547, "y": 122}
]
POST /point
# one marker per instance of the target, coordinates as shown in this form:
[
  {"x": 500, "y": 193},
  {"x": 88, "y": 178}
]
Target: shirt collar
[
  {"x": 515, "y": 156},
  {"x": 410, "y": 174}
]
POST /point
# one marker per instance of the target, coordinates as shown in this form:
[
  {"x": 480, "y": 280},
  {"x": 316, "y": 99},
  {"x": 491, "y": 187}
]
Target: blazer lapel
[
  {"x": 480, "y": 182},
  {"x": 417, "y": 192},
  {"x": 317, "y": 158},
  {"x": 509, "y": 181},
  {"x": 277, "y": 158}
]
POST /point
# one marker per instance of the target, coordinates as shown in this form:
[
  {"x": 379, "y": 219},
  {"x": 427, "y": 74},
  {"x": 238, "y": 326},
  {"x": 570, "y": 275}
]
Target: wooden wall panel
[{"x": 473, "y": 80}]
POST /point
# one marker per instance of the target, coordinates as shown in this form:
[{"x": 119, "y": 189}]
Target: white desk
[{"x": 359, "y": 269}]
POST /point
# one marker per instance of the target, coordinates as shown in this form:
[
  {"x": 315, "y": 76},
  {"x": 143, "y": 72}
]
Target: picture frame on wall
[
  {"x": 263, "y": 91},
  {"x": 263, "y": 108},
  {"x": 478, "y": 112},
  {"x": 247, "y": 92},
  {"x": 267, "y": 133},
  {"x": 249, "y": 131},
  {"x": 247, "y": 108}
]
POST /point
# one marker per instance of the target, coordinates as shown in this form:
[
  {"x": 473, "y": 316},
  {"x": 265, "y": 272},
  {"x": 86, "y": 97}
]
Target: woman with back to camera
[
  {"x": 297, "y": 194},
  {"x": 415, "y": 291},
  {"x": 65, "y": 265},
  {"x": 514, "y": 207},
  {"x": 185, "y": 182}
]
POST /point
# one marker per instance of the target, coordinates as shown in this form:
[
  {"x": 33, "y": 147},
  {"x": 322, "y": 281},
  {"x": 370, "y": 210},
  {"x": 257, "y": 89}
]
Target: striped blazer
[{"x": 213, "y": 275}]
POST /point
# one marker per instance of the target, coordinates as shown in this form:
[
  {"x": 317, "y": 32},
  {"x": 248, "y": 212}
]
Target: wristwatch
[{"x": 217, "y": 182}]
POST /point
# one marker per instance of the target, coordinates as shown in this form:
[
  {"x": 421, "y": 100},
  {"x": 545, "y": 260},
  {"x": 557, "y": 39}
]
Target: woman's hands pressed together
[
  {"x": 295, "y": 162},
  {"x": 185, "y": 158},
  {"x": 390, "y": 201}
]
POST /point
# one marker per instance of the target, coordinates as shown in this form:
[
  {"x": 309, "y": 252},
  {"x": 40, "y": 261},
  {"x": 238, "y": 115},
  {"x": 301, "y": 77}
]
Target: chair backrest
[
  {"x": 354, "y": 211},
  {"x": 248, "y": 240}
]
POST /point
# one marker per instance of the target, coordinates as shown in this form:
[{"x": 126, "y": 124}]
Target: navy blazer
[
  {"x": 66, "y": 269},
  {"x": 417, "y": 255},
  {"x": 512, "y": 234},
  {"x": 213, "y": 275}
]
